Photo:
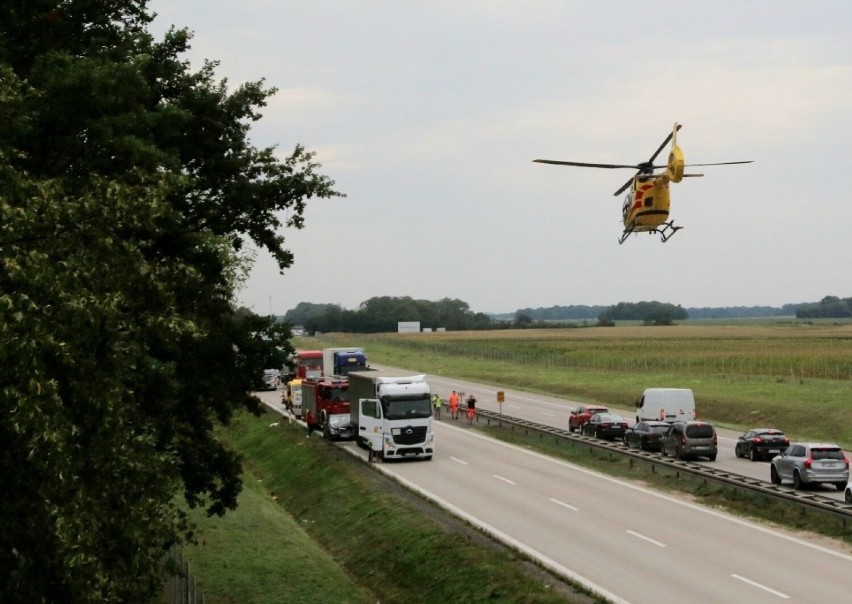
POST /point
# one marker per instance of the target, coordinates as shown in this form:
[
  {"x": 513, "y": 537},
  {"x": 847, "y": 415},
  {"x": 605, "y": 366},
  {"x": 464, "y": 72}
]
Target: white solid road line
[
  {"x": 564, "y": 505},
  {"x": 498, "y": 477},
  {"x": 648, "y": 539},
  {"x": 763, "y": 587},
  {"x": 457, "y": 460}
]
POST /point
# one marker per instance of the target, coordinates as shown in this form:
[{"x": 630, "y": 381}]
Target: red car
[{"x": 581, "y": 415}]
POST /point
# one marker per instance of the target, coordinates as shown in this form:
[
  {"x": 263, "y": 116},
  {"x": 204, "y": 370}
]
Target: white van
[{"x": 666, "y": 405}]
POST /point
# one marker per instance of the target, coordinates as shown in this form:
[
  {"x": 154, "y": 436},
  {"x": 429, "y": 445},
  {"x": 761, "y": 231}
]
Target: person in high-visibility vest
[
  {"x": 454, "y": 405},
  {"x": 437, "y": 402},
  {"x": 471, "y": 408}
]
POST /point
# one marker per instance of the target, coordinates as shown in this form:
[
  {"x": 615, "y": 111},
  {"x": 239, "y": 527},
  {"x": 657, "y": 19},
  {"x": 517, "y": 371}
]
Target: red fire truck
[{"x": 325, "y": 407}]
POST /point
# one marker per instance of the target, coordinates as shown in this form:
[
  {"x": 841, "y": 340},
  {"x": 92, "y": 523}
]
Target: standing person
[
  {"x": 454, "y": 405},
  {"x": 437, "y": 402},
  {"x": 471, "y": 408},
  {"x": 373, "y": 455}
]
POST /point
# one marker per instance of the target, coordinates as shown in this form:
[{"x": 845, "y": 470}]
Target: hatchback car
[
  {"x": 811, "y": 463},
  {"x": 761, "y": 443},
  {"x": 645, "y": 435},
  {"x": 690, "y": 439},
  {"x": 608, "y": 426}
]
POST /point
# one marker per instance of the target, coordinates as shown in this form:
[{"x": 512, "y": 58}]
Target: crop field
[{"x": 797, "y": 377}]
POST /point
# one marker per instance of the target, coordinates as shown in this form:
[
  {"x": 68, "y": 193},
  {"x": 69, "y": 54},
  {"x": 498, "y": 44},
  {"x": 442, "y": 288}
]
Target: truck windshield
[
  {"x": 407, "y": 408},
  {"x": 347, "y": 369},
  {"x": 335, "y": 394}
]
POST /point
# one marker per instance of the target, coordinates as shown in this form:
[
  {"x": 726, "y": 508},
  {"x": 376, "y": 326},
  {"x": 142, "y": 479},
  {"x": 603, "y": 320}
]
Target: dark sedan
[
  {"x": 761, "y": 443},
  {"x": 645, "y": 435},
  {"x": 608, "y": 426}
]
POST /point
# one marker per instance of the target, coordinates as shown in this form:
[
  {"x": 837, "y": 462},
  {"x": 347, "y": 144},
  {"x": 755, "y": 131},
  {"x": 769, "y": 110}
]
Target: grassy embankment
[
  {"x": 794, "y": 377},
  {"x": 317, "y": 525}
]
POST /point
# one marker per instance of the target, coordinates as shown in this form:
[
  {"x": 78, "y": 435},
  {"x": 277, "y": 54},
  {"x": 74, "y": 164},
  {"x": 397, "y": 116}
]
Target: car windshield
[{"x": 826, "y": 454}]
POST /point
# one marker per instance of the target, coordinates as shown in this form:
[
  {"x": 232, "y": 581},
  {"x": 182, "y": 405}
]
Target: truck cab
[
  {"x": 393, "y": 414},
  {"x": 343, "y": 361}
]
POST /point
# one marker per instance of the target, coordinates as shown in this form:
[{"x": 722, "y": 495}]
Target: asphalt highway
[
  {"x": 554, "y": 412},
  {"x": 620, "y": 539}
]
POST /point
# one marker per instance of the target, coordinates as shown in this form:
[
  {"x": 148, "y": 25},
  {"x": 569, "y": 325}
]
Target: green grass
[
  {"x": 260, "y": 554},
  {"x": 312, "y": 514}
]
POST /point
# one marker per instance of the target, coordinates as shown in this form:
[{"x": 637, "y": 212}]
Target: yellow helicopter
[{"x": 646, "y": 205}]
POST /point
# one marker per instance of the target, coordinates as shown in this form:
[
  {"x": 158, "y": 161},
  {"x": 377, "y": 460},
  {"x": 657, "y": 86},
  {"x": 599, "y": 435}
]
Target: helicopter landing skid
[{"x": 668, "y": 229}]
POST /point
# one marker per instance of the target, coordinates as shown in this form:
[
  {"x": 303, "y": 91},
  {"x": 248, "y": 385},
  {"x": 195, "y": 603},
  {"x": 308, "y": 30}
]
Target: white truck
[{"x": 391, "y": 413}]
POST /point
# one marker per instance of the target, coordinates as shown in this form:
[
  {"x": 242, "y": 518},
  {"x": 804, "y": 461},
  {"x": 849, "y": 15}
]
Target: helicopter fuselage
[{"x": 646, "y": 205}]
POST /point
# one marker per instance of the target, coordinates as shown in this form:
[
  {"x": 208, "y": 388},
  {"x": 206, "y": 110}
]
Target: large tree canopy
[{"x": 127, "y": 188}]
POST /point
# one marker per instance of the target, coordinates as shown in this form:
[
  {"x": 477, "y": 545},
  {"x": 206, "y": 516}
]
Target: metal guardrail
[{"x": 812, "y": 501}]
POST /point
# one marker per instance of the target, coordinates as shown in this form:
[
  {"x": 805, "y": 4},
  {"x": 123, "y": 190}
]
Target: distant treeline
[
  {"x": 828, "y": 307},
  {"x": 382, "y": 314}
]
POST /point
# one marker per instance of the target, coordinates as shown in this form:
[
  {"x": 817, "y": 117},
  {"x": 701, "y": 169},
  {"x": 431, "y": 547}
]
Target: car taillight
[
  {"x": 786, "y": 441},
  {"x": 757, "y": 439},
  {"x": 846, "y": 462},
  {"x": 808, "y": 462},
  {"x": 716, "y": 439}
]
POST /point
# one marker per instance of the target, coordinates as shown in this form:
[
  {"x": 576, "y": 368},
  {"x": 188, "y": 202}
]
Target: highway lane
[
  {"x": 553, "y": 411},
  {"x": 627, "y": 542},
  {"x": 634, "y": 544}
]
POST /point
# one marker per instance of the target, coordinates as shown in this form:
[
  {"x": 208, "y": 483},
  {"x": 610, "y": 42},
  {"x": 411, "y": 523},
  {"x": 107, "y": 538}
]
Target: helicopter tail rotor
[{"x": 674, "y": 168}]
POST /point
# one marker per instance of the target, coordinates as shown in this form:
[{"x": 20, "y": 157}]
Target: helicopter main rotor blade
[
  {"x": 582, "y": 164},
  {"x": 724, "y": 163},
  {"x": 625, "y": 186}
]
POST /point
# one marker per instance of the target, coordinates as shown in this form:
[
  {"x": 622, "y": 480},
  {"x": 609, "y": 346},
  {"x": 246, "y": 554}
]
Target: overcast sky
[{"x": 427, "y": 115}]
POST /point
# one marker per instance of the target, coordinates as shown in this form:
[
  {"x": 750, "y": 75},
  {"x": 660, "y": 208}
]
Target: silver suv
[
  {"x": 811, "y": 463},
  {"x": 690, "y": 439}
]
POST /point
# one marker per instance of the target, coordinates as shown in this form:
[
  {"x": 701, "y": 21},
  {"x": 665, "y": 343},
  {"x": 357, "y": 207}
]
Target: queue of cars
[{"x": 801, "y": 463}]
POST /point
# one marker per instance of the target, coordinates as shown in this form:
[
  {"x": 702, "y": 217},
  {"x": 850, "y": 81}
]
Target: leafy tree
[
  {"x": 830, "y": 307},
  {"x": 382, "y": 313},
  {"x": 656, "y": 313},
  {"x": 523, "y": 320},
  {"x": 305, "y": 311},
  {"x": 127, "y": 189}
]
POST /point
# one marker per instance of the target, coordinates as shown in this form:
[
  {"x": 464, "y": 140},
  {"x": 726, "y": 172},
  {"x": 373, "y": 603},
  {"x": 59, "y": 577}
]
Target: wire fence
[{"x": 181, "y": 587}]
